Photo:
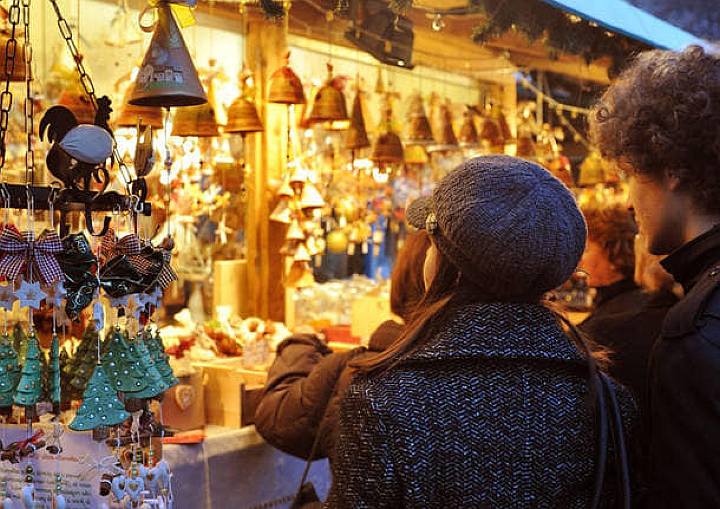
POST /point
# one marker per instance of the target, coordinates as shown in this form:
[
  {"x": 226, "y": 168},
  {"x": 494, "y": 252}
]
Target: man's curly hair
[{"x": 662, "y": 115}]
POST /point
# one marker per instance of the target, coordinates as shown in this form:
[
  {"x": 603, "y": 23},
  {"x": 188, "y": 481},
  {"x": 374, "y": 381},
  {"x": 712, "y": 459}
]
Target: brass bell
[
  {"x": 388, "y": 149},
  {"x": 419, "y": 132},
  {"x": 328, "y": 103},
  {"x": 167, "y": 75},
  {"x": 356, "y": 137},
  {"x": 499, "y": 117},
  {"x": 415, "y": 154},
  {"x": 195, "y": 121},
  {"x": 311, "y": 198},
  {"x": 490, "y": 133},
  {"x": 525, "y": 144},
  {"x": 129, "y": 113},
  {"x": 242, "y": 116},
  {"x": 76, "y": 101},
  {"x": 285, "y": 86},
  {"x": 468, "y": 137},
  {"x": 445, "y": 138},
  {"x": 282, "y": 213}
]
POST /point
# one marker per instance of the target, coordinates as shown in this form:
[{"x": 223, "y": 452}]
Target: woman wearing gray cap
[{"x": 487, "y": 399}]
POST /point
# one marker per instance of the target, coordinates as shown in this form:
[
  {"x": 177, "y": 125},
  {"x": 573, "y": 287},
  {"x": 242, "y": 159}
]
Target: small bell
[
  {"x": 490, "y": 134},
  {"x": 329, "y": 102},
  {"x": 302, "y": 254},
  {"x": 300, "y": 276},
  {"x": 285, "y": 189},
  {"x": 388, "y": 149},
  {"x": 445, "y": 139},
  {"x": 282, "y": 213},
  {"x": 197, "y": 120},
  {"x": 419, "y": 132},
  {"x": 295, "y": 232},
  {"x": 526, "y": 145},
  {"x": 242, "y": 115},
  {"x": 167, "y": 75},
  {"x": 468, "y": 137},
  {"x": 129, "y": 113},
  {"x": 285, "y": 86},
  {"x": 356, "y": 137},
  {"x": 311, "y": 198},
  {"x": 415, "y": 154},
  {"x": 298, "y": 177}
]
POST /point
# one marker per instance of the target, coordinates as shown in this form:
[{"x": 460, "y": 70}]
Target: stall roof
[{"x": 621, "y": 17}]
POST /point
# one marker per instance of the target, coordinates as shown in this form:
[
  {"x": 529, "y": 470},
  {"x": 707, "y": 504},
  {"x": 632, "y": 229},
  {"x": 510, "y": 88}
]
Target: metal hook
[{"x": 89, "y": 222}]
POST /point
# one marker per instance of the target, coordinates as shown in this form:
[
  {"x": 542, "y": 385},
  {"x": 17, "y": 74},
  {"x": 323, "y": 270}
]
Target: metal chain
[
  {"x": 6, "y": 97},
  {"x": 86, "y": 81},
  {"x": 29, "y": 99}
]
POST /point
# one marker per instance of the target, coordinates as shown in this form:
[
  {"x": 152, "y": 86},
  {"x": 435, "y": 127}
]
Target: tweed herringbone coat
[{"x": 491, "y": 411}]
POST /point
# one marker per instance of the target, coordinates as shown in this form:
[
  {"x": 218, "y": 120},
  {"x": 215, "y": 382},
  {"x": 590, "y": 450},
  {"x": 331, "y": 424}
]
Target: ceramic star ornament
[
  {"x": 30, "y": 295},
  {"x": 56, "y": 293},
  {"x": 7, "y": 297}
]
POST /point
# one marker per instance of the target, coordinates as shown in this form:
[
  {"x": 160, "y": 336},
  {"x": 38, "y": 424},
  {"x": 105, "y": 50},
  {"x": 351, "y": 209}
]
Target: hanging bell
[
  {"x": 490, "y": 134},
  {"x": 356, "y": 137},
  {"x": 298, "y": 177},
  {"x": 19, "y": 68},
  {"x": 445, "y": 139},
  {"x": 388, "y": 149},
  {"x": 415, "y": 154},
  {"x": 526, "y": 145},
  {"x": 300, "y": 276},
  {"x": 197, "y": 120},
  {"x": 302, "y": 254},
  {"x": 419, "y": 132},
  {"x": 285, "y": 86},
  {"x": 285, "y": 190},
  {"x": 329, "y": 102},
  {"x": 295, "y": 232},
  {"x": 311, "y": 198},
  {"x": 314, "y": 246},
  {"x": 282, "y": 213},
  {"x": 76, "y": 101},
  {"x": 243, "y": 117},
  {"x": 167, "y": 76},
  {"x": 499, "y": 117},
  {"x": 129, "y": 113},
  {"x": 468, "y": 137}
]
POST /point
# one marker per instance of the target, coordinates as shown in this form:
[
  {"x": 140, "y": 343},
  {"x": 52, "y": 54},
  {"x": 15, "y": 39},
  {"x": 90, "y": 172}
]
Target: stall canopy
[{"x": 621, "y": 17}]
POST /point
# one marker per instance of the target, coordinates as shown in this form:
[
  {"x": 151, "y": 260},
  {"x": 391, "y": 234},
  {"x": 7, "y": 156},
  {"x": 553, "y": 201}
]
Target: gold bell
[
  {"x": 311, "y": 198},
  {"x": 302, "y": 254},
  {"x": 490, "y": 133},
  {"x": 502, "y": 124},
  {"x": 415, "y": 154},
  {"x": 356, "y": 137},
  {"x": 129, "y": 114},
  {"x": 76, "y": 101},
  {"x": 197, "y": 120},
  {"x": 243, "y": 117},
  {"x": 446, "y": 139},
  {"x": 419, "y": 132},
  {"x": 282, "y": 213},
  {"x": 167, "y": 75},
  {"x": 468, "y": 132},
  {"x": 328, "y": 103},
  {"x": 295, "y": 232},
  {"x": 388, "y": 149},
  {"x": 285, "y": 86},
  {"x": 525, "y": 145}
]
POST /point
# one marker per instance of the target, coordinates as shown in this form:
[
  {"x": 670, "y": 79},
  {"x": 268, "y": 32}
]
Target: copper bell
[
  {"x": 197, "y": 120},
  {"x": 419, "y": 132},
  {"x": 76, "y": 101},
  {"x": 167, "y": 75},
  {"x": 329, "y": 102},
  {"x": 285, "y": 86},
  {"x": 490, "y": 133},
  {"x": 468, "y": 132},
  {"x": 446, "y": 139},
  {"x": 242, "y": 115},
  {"x": 356, "y": 137},
  {"x": 129, "y": 114},
  {"x": 415, "y": 154},
  {"x": 388, "y": 149}
]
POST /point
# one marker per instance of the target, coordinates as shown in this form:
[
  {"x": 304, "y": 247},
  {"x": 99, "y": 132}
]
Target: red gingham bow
[
  {"x": 19, "y": 248},
  {"x": 130, "y": 246},
  {"x": 167, "y": 274}
]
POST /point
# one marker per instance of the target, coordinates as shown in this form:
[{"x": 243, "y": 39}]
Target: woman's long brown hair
[{"x": 447, "y": 291}]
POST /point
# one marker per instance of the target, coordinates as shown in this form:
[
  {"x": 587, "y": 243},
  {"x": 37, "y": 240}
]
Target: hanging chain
[
  {"x": 29, "y": 99},
  {"x": 86, "y": 82},
  {"x": 6, "y": 97}
]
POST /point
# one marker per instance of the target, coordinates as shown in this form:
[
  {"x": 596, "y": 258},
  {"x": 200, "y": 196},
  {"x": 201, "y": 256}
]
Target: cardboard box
[{"x": 226, "y": 385}]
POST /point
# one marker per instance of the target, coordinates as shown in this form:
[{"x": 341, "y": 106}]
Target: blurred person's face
[
  {"x": 596, "y": 263},
  {"x": 660, "y": 212}
]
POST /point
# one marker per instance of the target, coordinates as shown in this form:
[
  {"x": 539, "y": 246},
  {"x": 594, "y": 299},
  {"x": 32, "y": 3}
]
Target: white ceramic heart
[
  {"x": 134, "y": 488},
  {"x": 184, "y": 396},
  {"x": 118, "y": 487}
]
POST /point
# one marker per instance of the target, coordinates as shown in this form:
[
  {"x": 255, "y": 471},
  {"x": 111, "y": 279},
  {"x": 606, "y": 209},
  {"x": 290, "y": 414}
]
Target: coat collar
[
  {"x": 497, "y": 330},
  {"x": 689, "y": 262}
]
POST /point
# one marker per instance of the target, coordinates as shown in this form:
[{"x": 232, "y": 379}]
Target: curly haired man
[{"x": 660, "y": 123}]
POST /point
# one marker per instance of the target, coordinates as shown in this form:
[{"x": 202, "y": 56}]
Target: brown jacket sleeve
[{"x": 300, "y": 383}]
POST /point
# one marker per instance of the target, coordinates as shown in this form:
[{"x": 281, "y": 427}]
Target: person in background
[
  {"x": 483, "y": 400},
  {"x": 306, "y": 382},
  {"x": 632, "y": 295},
  {"x": 659, "y": 121}
]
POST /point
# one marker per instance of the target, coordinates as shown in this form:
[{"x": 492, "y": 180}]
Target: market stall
[{"x": 183, "y": 186}]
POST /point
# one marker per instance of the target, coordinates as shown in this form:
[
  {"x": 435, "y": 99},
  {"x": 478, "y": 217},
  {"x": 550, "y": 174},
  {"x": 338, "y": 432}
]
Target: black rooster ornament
[{"x": 79, "y": 151}]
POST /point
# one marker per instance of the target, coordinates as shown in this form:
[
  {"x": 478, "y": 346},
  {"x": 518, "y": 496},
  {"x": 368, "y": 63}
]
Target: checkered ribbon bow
[
  {"x": 19, "y": 249},
  {"x": 167, "y": 273},
  {"x": 130, "y": 246}
]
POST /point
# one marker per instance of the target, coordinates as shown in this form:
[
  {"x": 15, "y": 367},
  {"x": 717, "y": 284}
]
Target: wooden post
[{"x": 265, "y": 50}]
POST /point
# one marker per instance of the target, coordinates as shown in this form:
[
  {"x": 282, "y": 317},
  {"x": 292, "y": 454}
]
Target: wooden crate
[{"x": 227, "y": 384}]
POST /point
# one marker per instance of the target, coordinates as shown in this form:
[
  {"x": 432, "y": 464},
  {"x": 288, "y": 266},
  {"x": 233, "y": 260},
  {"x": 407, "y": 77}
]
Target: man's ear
[{"x": 672, "y": 180}]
